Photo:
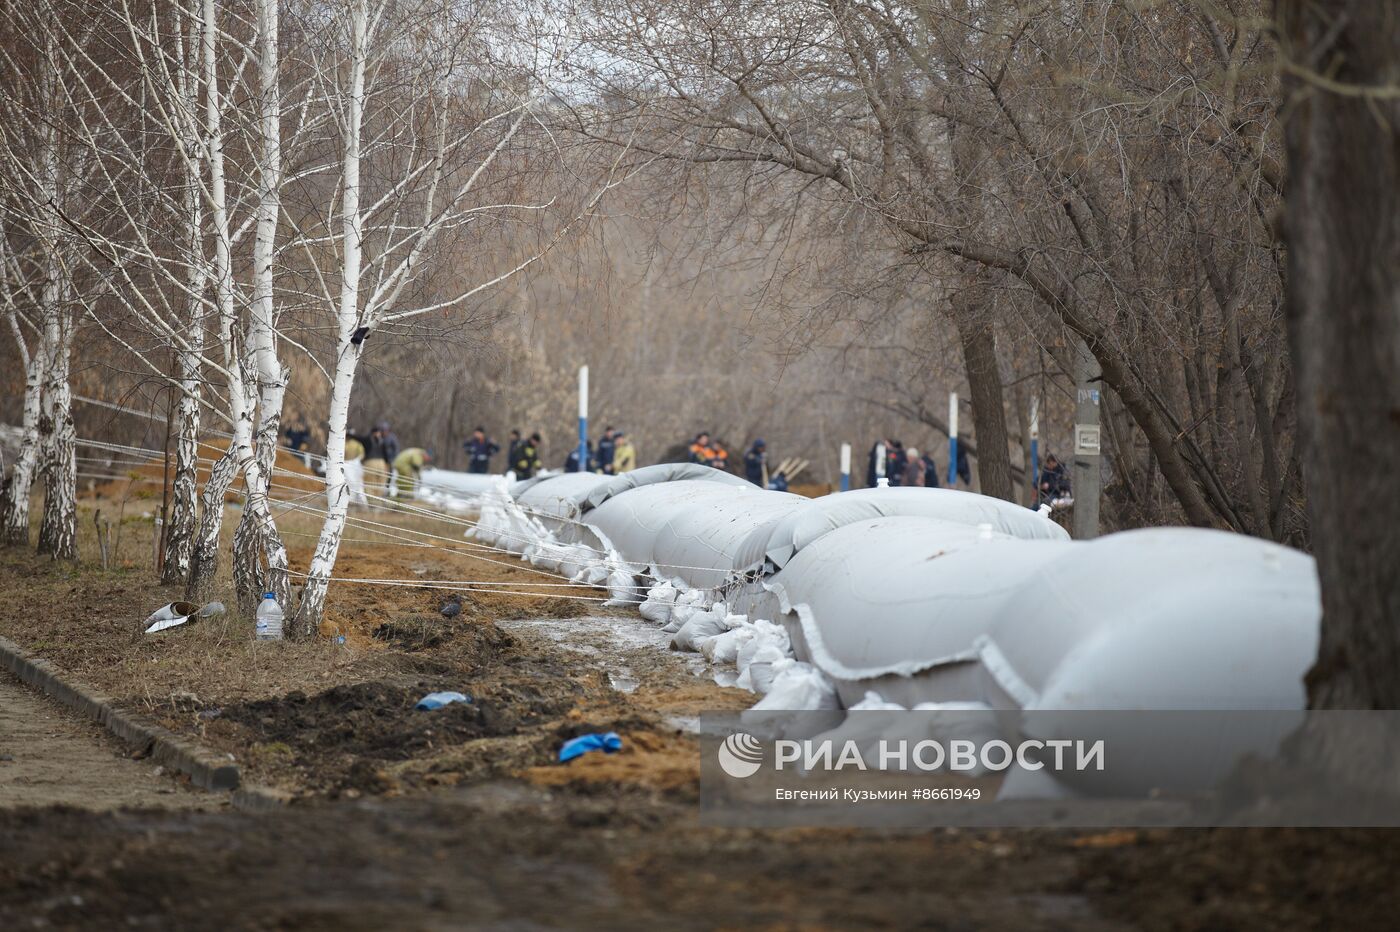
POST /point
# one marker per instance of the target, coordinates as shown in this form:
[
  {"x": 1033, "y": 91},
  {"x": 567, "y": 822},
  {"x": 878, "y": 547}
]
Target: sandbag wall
[
  {"x": 933, "y": 595},
  {"x": 934, "y": 599}
]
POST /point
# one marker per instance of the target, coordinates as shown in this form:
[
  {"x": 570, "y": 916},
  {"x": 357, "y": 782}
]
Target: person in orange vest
[{"x": 707, "y": 454}]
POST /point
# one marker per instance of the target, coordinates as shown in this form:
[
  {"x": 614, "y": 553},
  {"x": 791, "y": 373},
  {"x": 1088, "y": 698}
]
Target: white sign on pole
[{"x": 1086, "y": 440}]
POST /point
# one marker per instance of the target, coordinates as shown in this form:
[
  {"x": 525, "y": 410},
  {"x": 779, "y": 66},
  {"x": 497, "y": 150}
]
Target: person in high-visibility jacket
[
  {"x": 526, "y": 459},
  {"x": 409, "y": 464},
  {"x": 624, "y": 455}
]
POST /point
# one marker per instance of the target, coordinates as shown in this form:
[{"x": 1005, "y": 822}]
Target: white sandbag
[
  {"x": 759, "y": 672},
  {"x": 657, "y": 605},
  {"x": 688, "y": 603},
  {"x": 876, "y": 721},
  {"x": 764, "y": 633},
  {"x": 702, "y": 626},
  {"x": 873, "y": 703},
  {"x": 797, "y": 687},
  {"x": 573, "y": 561},
  {"x": 724, "y": 648},
  {"x": 623, "y": 587}
]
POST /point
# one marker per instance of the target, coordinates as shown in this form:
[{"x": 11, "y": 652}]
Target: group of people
[
  {"x": 707, "y": 452},
  {"x": 907, "y": 466},
  {"x": 375, "y": 463},
  {"x": 613, "y": 456},
  {"x": 522, "y": 453}
]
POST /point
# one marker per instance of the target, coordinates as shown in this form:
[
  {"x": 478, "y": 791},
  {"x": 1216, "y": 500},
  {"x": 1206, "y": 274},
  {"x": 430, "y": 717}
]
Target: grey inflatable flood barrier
[{"x": 932, "y": 596}]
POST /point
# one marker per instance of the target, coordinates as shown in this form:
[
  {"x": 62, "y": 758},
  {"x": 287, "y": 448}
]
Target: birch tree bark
[
  {"x": 58, "y": 529},
  {"x": 180, "y": 536},
  {"x": 16, "y": 515},
  {"x": 256, "y": 539},
  {"x": 312, "y": 607}
]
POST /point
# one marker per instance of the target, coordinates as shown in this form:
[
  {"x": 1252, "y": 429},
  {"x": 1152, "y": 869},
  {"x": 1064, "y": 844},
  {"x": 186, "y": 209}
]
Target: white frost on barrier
[{"x": 797, "y": 687}]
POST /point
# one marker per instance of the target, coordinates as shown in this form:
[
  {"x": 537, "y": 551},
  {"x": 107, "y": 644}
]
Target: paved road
[{"x": 50, "y": 756}]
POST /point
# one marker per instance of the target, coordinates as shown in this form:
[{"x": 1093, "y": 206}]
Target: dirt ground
[{"x": 463, "y": 818}]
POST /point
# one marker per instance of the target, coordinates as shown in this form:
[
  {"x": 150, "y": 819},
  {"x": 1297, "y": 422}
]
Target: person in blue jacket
[
  {"x": 571, "y": 464},
  {"x": 607, "y": 449},
  {"x": 930, "y": 471},
  {"x": 756, "y": 463},
  {"x": 480, "y": 448}
]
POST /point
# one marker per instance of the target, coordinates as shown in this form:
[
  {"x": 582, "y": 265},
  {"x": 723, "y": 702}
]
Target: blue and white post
[
  {"x": 881, "y": 480},
  {"x": 952, "y": 439},
  {"x": 1035, "y": 450},
  {"x": 583, "y": 419},
  {"x": 845, "y": 467}
]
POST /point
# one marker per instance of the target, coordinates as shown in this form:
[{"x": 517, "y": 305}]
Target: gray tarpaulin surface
[
  {"x": 698, "y": 543},
  {"x": 1170, "y": 618},
  {"x": 823, "y": 515},
  {"x": 973, "y": 599},
  {"x": 651, "y": 475}
]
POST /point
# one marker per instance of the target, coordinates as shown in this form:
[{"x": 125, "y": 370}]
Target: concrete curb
[{"x": 206, "y": 769}]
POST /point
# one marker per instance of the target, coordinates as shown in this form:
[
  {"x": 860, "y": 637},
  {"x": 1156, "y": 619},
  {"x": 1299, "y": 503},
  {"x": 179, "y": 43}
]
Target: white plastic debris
[{"x": 170, "y": 615}]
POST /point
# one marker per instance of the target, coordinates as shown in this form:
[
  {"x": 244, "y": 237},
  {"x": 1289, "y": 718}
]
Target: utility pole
[
  {"x": 952, "y": 439},
  {"x": 1087, "y": 448},
  {"x": 583, "y": 419},
  {"x": 1035, "y": 451}
]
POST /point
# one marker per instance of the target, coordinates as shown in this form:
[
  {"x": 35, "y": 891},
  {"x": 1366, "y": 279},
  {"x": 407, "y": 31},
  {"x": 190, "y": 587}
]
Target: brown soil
[{"x": 463, "y": 817}]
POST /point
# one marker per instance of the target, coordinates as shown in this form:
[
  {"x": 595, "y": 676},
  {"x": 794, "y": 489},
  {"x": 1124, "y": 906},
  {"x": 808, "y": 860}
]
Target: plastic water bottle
[{"x": 269, "y": 619}]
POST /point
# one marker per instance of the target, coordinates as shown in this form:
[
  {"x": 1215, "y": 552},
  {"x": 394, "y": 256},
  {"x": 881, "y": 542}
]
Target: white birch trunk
[
  {"x": 180, "y": 535},
  {"x": 58, "y": 529},
  {"x": 313, "y": 598},
  {"x": 256, "y": 538},
  {"x": 16, "y": 517},
  {"x": 204, "y": 557},
  {"x": 241, "y": 399}
]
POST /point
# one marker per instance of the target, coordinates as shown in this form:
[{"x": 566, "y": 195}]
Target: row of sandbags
[{"x": 930, "y": 598}]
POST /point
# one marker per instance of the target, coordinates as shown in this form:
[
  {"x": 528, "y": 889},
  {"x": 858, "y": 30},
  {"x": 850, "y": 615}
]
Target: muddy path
[
  {"x": 49, "y": 756},
  {"x": 507, "y": 855}
]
